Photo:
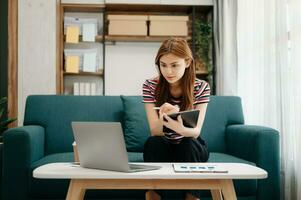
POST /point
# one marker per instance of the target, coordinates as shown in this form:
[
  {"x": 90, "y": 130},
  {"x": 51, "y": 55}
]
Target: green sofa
[{"x": 47, "y": 137}]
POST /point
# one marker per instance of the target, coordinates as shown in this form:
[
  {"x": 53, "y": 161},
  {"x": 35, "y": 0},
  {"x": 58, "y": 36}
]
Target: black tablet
[{"x": 190, "y": 119}]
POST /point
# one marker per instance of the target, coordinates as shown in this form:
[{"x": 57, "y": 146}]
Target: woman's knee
[
  {"x": 193, "y": 150},
  {"x": 153, "y": 141},
  {"x": 187, "y": 143},
  {"x": 155, "y": 149}
]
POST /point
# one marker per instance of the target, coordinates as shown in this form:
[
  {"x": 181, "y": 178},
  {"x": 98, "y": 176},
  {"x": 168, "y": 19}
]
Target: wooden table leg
[
  {"x": 75, "y": 191},
  {"x": 216, "y": 195},
  {"x": 228, "y": 190}
]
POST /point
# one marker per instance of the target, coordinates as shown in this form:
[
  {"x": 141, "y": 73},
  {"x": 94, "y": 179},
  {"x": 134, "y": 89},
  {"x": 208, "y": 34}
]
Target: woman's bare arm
[
  {"x": 154, "y": 121},
  {"x": 155, "y": 117},
  {"x": 178, "y": 127}
]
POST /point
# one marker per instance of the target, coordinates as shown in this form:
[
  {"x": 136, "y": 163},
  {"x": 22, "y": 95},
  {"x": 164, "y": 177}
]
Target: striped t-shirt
[
  {"x": 201, "y": 92},
  {"x": 201, "y": 95}
]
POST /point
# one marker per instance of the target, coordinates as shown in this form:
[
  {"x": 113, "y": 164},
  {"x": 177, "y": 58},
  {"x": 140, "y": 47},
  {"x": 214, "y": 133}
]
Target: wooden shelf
[
  {"x": 122, "y": 38},
  {"x": 154, "y": 8},
  {"x": 83, "y": 7},
  {"x": 100, "y": 73},
  {"x": 139, "y": 38},
  {"x": 98, "y": 38}
]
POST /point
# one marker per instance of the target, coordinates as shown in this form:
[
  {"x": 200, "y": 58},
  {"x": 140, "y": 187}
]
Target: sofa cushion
[
  {"x": 135, "y": 156},
  {"x": 56, "y": 112},
  {"x": 136, "y": 128}
]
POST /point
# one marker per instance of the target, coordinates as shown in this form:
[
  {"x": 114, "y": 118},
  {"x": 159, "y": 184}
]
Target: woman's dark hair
[{"x": 180, "y": 48}]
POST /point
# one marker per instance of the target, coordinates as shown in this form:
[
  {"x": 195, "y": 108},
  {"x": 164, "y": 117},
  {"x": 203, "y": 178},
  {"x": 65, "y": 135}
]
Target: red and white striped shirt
[
  {"x": 201, "y": 92},
  {"x": 201, "y": 95}
]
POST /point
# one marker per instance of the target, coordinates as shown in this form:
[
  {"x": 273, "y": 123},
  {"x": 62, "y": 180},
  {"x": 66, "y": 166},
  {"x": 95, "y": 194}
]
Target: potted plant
[
  {"x": 4, "y": 121},
  {"x": 203, "y": 42}
]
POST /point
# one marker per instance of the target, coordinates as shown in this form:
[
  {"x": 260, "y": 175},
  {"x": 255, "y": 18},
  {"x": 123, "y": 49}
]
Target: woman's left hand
[{"x": 175, "y": 125}]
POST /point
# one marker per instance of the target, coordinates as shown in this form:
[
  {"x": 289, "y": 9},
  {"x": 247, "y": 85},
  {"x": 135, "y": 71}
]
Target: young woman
[{"x": 175, "y": 89}]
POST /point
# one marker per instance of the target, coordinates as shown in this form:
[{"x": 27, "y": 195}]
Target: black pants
[{"x": 159, "y": 149}]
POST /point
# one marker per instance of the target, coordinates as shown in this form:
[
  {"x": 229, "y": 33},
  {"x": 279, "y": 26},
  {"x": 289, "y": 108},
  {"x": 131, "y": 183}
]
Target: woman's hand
[
  {"x": 168, "y": 108},
  {"x": 175, "y": 125}
]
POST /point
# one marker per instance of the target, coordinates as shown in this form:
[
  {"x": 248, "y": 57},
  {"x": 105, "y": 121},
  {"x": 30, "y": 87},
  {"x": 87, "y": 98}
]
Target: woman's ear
[{"x": 187, "y": 62}]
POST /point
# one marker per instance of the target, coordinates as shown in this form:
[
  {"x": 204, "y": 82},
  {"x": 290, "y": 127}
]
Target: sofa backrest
[
  {"x": 221, "y": 112},
  {"x": 55, "y": 113}
]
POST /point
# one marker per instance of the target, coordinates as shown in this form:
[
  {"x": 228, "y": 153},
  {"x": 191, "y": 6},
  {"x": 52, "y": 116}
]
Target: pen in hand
[{"x": 156, "y": 108}]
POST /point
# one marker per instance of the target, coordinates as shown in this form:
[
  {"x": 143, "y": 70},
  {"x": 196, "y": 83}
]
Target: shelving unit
[
  {"x": 105, "y": 39},
  {"x": 67, "y": 79}
]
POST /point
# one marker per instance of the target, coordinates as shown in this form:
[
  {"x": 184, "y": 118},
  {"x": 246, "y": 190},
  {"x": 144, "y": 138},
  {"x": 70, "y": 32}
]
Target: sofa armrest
[
  {"x": 22, "y": 146},
  {"x": 260, "y": 145}
]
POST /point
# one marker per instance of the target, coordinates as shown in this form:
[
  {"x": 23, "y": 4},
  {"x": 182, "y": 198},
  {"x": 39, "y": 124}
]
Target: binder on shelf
[
  {"x": 72, "y": 64},
  {"x": 76, "y": 88},
  {"x": 87, "y": 89},
  {"x": 89, "y": 63},
  {"x": 89, "y": 32},
  {"x": 81, "y": 88},
  {"x": 84, "y": 88},
  {"x": 72, "y": 35},
  {"x": 93, "y": 89}
]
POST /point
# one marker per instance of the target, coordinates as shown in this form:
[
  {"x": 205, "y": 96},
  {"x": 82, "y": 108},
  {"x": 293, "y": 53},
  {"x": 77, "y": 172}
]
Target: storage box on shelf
[
  {"x": 168, "y": 25},
  {"x": 127, "y": 25}
]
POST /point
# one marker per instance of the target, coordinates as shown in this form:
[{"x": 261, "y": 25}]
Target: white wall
[
  {"x": 36, "y": 50},
  {"x": 127, "y": 67}
]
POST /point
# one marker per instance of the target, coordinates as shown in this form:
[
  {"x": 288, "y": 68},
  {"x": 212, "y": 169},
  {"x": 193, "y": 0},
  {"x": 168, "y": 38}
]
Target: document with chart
[{"x": 198, "y": 168}]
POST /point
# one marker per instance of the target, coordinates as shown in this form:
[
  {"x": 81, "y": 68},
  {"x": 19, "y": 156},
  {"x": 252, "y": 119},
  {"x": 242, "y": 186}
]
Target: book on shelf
[
  {"x": 89, "y": 63},
  {"x": 72, "y": 35},
  {"x": 76, "y": 88},
  {"x": 89, "y": 32},
  {"x": 81, "y": 88},
  {"x": 87, "y": 89},
  {"x": 93, "y": 89},
  {"x": 84, "y": 88},
  {"x": 72, "y": 64}
]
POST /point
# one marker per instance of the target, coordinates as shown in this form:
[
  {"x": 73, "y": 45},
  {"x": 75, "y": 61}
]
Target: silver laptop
[{"x": 101, "y": 146}]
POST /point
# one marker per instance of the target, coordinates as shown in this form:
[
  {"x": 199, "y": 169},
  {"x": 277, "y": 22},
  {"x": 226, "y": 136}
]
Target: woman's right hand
[{"x": 167, "y": 108}]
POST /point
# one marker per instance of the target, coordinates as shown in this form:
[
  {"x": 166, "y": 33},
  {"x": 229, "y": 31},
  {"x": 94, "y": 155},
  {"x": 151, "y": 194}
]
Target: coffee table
[{"x": 220, "y": 184}]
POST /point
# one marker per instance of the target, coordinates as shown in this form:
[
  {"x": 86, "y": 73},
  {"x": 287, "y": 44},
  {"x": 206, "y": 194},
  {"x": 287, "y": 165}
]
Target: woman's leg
[
  {"x": 152, "y": 195},
  {"x": 191, "y": 150},
  {"x": 156, "y": 149}
]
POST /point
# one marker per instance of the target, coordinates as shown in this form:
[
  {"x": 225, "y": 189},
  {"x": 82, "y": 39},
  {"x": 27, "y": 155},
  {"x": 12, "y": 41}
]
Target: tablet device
[{"x": 190, "y": 120}]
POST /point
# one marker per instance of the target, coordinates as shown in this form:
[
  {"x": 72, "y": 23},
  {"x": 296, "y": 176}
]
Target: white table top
[{"x": 72, "y": 171}]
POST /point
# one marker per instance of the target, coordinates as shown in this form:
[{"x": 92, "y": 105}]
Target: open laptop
[{"x": 101, "y": 145}]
